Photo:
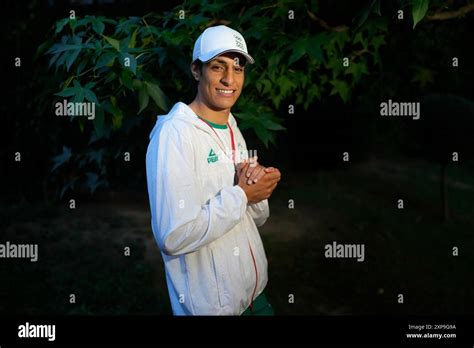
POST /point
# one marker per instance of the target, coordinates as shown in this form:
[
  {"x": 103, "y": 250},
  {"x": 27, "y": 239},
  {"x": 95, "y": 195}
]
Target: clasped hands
[{"x": 257, "y": 181}]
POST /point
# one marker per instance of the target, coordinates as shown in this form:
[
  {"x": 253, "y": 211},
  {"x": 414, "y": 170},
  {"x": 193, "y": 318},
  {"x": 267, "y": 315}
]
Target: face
[{"x": 221, "y": 81}]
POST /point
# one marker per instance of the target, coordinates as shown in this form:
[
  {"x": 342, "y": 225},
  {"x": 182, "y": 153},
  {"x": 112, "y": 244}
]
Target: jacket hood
[{"x": 184, "y": 113}]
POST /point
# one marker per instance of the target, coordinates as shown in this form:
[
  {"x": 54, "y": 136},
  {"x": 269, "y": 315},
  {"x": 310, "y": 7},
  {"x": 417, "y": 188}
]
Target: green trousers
[{"x": 260, "y": 307}]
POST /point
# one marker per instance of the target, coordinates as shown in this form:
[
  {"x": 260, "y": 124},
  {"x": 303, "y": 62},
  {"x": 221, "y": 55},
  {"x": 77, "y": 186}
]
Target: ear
[{"x": 195, "y": 71}]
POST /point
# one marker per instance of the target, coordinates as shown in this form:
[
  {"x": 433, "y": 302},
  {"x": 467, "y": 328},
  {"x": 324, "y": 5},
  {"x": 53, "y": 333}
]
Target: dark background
[{"x": 408, "y": 251}]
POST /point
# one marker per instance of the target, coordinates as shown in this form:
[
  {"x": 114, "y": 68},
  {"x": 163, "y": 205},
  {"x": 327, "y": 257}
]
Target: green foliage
[
  {"x": 134, "y": 67},
  {"x": 419, "y": 10}
]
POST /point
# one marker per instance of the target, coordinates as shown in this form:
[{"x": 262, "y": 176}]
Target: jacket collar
[{"x": 183, "y": 112}]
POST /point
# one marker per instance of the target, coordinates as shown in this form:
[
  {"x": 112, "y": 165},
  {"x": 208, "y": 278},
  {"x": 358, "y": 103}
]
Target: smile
[{"x": 225, "y": 92}]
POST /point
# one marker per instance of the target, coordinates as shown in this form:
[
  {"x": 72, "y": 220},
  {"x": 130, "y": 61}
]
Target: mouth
[{"x": 225, "y": 92}]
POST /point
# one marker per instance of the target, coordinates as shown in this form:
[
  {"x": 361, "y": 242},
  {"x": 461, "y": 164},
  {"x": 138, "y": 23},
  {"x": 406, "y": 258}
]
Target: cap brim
[{"x": 213, "y": 55}]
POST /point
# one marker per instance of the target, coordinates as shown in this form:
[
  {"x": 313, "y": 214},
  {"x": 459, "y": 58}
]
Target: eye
[
  {"x": 217, "y": 67},
  {"x": 239, "y": 69}
]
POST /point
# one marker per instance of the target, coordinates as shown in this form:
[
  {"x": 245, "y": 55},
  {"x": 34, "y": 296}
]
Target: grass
[{"x": 408, "y": 251}]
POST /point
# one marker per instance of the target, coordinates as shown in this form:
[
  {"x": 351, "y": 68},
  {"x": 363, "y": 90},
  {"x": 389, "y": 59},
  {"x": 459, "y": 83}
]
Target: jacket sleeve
[
  {"x": 181, "y": 222},
  {"x": 259, "y": 211}
]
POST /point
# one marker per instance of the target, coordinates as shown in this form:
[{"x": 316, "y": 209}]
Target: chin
[{"x": 224, "y": 104}]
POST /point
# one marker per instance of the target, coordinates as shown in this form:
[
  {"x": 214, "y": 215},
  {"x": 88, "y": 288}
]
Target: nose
[{"x": 228, "y": 77}]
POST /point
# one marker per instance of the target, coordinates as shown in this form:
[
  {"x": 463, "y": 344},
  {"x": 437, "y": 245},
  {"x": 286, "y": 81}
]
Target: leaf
[
  {"x": 117, "y": 113},
  {"x": 359, "y": 38},
  {"x": 378, "y": 41},
  {"x": 67, "y": 82},
  {"x": 95, "y": 156},
  {"x": 423, "y": 76},
  {"x": 272, "y": 125},
  {"x": 264, "y": 135},
  {"x": 285, "y": 84},
  {"x": 109, "y": 21},
  {"x": 197, "y": 20},
  {"x": 129, "y": 62},
  {"x": 313, "y": 92},
  {"x": 133, "y": 39},
  {"x": 106, "y": 59},
  {"x": 362, "y": 16},
  {"x": 79, "y": 96},
  {"x": 98, "y": 26},
  {"x": 60, "y": 25},
  {"x": 81, "y": 66},
  {"x": 299, "y": 49},
  {"x": 72, "y": 57},
  {"x": 267, "y": 85},
  {"x": 157, "y": 95},
  {"x": 341, "y": 88},
  {"x": 68, "y": 92},
  {"x": 92, "y": 181},
  {"x": 357, "y": 70},
  {"x": 143, "y": 99},
  {"x": 113, "y": 42},
  {"x": 340, "y": 38},
  {"x": 314, "y": 46},
  {"x": 376, "y": 7},
  {"x": 90, "y": 96},
  {"x": 126, "y": 78},
  {"x": 62, "y": 158},
  {"x": 137, "y": 84},
  {"x": 68, "y": 186},
  {"x": 53, "y": 59},
  {"x": 419, "y": 10},
  {"x": 111, "y": 76},
  {"x": 61, "y": 47},
  {"x": 117, "y": 120},
  {"x": 41, "y": 48}
]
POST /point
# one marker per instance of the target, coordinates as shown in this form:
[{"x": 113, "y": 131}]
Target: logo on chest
[{"x": 212, "y": 157}]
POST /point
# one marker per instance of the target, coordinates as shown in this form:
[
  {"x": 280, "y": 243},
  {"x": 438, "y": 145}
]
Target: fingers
[
  {"x": 253, "y": 165},
  {"x": 273, "y": 175},
  {"x": 241, "y": 167},
  {"x": 253, "y": 161},
  {"x": 257, "y": 173}
]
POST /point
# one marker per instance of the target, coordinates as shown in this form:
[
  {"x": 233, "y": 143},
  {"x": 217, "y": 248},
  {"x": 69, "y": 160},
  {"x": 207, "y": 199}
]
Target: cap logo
[{"x": 238, "y": 42}]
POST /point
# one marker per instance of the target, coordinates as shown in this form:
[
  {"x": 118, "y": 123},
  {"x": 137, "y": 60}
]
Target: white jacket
[{"x": 202, "y": 222}]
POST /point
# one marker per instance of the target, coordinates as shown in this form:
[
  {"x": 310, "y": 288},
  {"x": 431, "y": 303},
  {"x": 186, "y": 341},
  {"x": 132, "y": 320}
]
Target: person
[{"x": 207, "y": 195}]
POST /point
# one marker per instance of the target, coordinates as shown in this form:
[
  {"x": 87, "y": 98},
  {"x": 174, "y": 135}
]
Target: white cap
[{"x": 217, "y": 40}]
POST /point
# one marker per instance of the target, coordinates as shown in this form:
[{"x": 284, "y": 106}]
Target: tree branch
[
  {"x": 445, "y": 15},
  {"x": 360, "y": 52},
  {"x": 339, "y": 28},
  {"x": 219, "y": 21}
]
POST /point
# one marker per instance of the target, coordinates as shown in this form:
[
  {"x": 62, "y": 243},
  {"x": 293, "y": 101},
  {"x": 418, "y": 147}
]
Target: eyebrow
[{"x": 225, "y": 63}]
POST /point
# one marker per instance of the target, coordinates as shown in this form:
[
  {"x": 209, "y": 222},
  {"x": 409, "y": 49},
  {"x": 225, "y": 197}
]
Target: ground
[{"x": 408, "y": 251}]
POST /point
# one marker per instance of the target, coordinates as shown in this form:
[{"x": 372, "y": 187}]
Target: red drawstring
[
  {"x": 256, "y": 278},
  {"x": 251, "y": 251},
  {"x": 231, "y": 137}
]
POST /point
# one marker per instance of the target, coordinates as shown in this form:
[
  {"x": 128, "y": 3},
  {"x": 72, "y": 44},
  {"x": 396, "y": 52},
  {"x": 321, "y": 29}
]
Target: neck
[{"x": 204, "y": 111}]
